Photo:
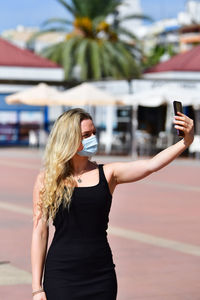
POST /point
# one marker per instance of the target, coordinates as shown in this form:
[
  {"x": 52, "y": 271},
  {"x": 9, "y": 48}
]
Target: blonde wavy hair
[{"x": 63, "y": 142}]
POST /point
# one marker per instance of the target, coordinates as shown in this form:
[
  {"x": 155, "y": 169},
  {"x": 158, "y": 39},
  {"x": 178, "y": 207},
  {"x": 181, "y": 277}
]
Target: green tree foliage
[
  {"x": 156, "y": 53},
  {"x": 100, "y": 48}
]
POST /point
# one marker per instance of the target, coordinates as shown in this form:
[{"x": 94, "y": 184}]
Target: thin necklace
[
  {"x": 79, "y": 176},
  {"x": 79, "y": 179}
]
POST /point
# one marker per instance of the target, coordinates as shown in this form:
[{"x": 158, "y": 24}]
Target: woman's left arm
[{"x": 136, "y": 170}]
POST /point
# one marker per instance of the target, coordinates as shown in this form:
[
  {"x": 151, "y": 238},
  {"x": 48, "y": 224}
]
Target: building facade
[{"x": 20, "y": 69}]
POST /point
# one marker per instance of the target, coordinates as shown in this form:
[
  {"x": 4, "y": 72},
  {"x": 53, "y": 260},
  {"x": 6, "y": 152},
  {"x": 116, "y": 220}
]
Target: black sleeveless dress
[{"x": 79, "y": 264}]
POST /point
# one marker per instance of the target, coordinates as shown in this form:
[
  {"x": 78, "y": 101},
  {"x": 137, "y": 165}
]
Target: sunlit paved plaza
[{"x": 154, "y": 229}]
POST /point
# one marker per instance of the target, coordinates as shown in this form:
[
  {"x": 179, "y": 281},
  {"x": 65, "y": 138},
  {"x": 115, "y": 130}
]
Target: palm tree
[{"x": 93, "y": 45}]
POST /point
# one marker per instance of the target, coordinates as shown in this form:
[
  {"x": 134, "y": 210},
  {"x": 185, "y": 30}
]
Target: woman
[{"x": 76, "y": 194}]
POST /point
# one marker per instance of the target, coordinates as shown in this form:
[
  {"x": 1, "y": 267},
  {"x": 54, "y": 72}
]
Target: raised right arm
[{"x": 40, "y": 236}]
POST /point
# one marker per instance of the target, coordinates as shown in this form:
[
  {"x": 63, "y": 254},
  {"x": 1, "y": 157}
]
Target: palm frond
[
  {"x": 105, "y": 62},
  {"x": 126, "y": 32},
  {"x": 133, "y": 68},
  {"x": 113, "y": 63},
  {"x": 117, "y": 59},
  {"x": 56, "y": 29},
  {"x": 81, "y": 57},
  {"x": 95, "y": 59},
  {"x": 53, "y": 53},
  {"x": 79, "y": 6},
  {"x": 134, "y": 17},
  {"x": 95, "y": 8},
  {"x": 112, "y": 6},
  {"x": 56, "y": 20},
  {"x": 67, "y": 6},
  {"x": 68, "y": 60},
  {"x": 47, "y": 51}
]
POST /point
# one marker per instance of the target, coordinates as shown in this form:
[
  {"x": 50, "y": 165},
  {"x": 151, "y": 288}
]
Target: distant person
[
  {"x": 76, "y": 193},
  {"x": 33, "y": 139}
]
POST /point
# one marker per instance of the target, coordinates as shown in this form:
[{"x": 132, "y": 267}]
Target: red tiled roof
[
  {"x": 187, "y": 61},
  {"x": 13, "y": 56}
]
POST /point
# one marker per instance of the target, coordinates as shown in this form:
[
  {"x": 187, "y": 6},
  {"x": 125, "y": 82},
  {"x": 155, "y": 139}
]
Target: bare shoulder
[
  {"x": 109, "y": 171},
  {"x": 109, "y": 168},
  {"x": 109, "y": 174},
  {"x": 124, "y": 172}
]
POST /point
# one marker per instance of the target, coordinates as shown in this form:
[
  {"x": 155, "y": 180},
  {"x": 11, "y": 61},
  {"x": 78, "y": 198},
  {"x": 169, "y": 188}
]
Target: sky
[{"x": 31, "y": 13}]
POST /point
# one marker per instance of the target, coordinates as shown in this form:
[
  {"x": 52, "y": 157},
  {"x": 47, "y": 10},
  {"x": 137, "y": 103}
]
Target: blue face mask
[{"x": 90, "y": 146}]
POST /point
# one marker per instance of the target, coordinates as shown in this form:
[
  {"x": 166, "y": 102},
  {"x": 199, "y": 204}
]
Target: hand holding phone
[{"x": 178, "y": 108}]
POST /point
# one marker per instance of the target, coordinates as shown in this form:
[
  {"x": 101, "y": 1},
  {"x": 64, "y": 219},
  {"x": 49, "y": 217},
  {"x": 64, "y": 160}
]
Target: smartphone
[{"x": 178, "y": 107}]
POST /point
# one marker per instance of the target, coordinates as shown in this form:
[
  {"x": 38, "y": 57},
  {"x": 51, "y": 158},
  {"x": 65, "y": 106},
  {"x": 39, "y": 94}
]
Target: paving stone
[{"x": 10, "y": 275}]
